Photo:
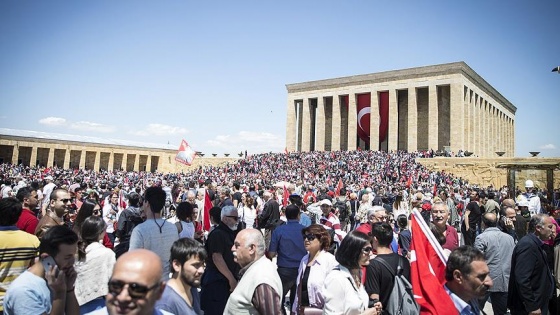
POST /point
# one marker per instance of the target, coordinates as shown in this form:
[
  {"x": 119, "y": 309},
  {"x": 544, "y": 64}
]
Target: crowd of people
[{"x": 299, "y": 233}]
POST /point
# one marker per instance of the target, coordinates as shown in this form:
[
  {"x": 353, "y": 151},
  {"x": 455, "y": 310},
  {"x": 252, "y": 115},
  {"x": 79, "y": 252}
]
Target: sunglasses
[
  {"x": 135, "y": 290},
  {"x": 233, "y": 217},
  {"x": 96, "y": 211},
  {"x": 367, "y": 250},
  {"x": 65, "y": 200},
  {"x": 309, "y": 237}
]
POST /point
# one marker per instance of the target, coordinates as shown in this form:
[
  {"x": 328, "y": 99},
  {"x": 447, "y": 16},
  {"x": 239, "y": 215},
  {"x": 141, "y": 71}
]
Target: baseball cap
[
  {"x": 325, "y": 202},
  {"x": 529, "y": 183},
  {"x": 49, "y": 177}
]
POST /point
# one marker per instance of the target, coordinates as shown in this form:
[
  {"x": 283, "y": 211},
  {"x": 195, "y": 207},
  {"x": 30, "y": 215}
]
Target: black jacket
[{"x": 530, "y": 283}]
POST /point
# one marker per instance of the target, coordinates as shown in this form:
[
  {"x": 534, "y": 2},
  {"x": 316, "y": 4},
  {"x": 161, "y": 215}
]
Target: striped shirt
[{"x": 18, "y": 249}]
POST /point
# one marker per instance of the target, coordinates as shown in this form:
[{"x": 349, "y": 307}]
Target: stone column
[
  {"x": 67, "y": 157},
  {"x": 433, "y": 118},
  {"x": 149, "y": 163},
  {"x": 306, "y": 126},
  {"x": 320, "y": 125},
  {"x": 512, "y": 137},
  {"x": 97, "y": 160},
  {"x": 393, "y": 143},
  {"x": 50, "y": 159},
  {"x": 466, "y": 118},
  {"x": 124, "y": 161},
  {"x": 456, "y": 119},
  {"x": 374, "y": 121},
  {"x": 352, "y": 122},
  {"x": 479, "y": 133},
  {"x": 15, "y": 154},
  {"x": 137, "y": 162},
  {"x": 472, "y": 121},
  {"x": 111, "y": 161},
  {"x": 33, "y": 159},
  {"x": 486, "y": 128},
  {"x": 291, "y": 126},
  {"x": 82, "y": 159},
  {"x": 412, "y": 120},
  {"x": 336, "y": 123}
]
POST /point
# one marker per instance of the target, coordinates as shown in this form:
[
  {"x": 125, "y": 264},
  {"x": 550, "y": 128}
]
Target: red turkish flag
[
  {"x": 285, "y": 197},
  {"x": 427, "y": 270},
  {"x": 207, "y": 206},
  {"x": 339, "y": 187},
  {"x": 363, "y": 102}
]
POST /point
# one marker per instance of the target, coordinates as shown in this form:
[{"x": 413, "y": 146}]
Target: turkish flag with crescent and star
[{"x": 364, "y": 110}]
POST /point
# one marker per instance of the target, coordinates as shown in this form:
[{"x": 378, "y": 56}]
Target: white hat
[
  {"x": 325, "y": 202},
  {"x": 49, "y": 177},
  {"x": 529, "y": 183},
  {"x": 523, "y": 203}
]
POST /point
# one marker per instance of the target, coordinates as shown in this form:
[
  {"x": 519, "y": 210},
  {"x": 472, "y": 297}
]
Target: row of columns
[
  {"x": 83, "y": 155},
  {"x": 475, "y": 124},
  {"x": 489, "y": 129}
]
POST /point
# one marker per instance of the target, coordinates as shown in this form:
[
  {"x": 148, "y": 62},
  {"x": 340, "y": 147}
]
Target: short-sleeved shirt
[
  {"x": 172, "y": 302},
  {"x": 379, "y": 280},
  {"x": 287, "y": 242},
  {"x": 474, "y": 215},
  {"x": 220, "y": 240},
  {"x": 27, "y": 221},
  {"x": 28, "y": 294}
]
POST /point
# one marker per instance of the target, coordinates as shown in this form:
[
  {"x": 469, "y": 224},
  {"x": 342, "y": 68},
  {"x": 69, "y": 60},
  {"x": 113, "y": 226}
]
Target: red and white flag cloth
[
  {"x": 427, "y": 270},
  {"x": 339, "y": 186},
  {"x": 186, "y": 154},
  {"x": 285, "y": 197},
  {"x": 207, "y": 206}
]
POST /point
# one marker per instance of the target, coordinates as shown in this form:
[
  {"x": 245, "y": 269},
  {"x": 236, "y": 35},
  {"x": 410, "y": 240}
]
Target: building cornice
[{"x": 404, "y": 74}]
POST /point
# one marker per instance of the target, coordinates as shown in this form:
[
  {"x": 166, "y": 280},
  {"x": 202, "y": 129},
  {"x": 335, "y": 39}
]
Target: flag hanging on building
[
  {"x": 427, "y": 270},
  {"x": 186, "y": 154}
]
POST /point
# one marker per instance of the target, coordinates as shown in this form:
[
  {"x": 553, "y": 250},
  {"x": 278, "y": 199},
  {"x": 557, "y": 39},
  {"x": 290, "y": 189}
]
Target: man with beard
[
  {"x": 59, "y": 204},
  {"x": 181, "y": 295},
  {"x": 468, "y": 279},
  {"x": 221, "y": 270}
]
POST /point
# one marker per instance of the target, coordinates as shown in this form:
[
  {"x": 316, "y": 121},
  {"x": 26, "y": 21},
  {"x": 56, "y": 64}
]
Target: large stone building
[{"x": 440, "y": 107}]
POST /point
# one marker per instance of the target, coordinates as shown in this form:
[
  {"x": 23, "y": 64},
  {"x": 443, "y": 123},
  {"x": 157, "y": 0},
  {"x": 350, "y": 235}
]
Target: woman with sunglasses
[
  {"x": 94, "y": 266},
  {"x": 313, "y": 269},
  {"x": 89, "y": 208},
  {"x": 344, "y": 292}
]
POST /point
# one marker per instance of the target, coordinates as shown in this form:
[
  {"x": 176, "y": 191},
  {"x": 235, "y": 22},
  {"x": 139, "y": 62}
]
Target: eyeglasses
[
  {"x": 65, "y": 200},
  {"x": 367, "y": 250},
  {"x": 310, "y": 237},
  {"x": 135, "y": 290},
  {"x": 233, "y": 217}
]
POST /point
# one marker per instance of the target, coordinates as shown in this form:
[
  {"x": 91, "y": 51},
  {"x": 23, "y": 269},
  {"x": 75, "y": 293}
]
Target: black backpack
[
  {"x": 401, "y": 301},
  {"x": 342, "y": 209}
]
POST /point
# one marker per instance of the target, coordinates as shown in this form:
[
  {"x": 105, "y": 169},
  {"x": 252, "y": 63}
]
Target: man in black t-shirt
[
  {"x": 379, "y": 281},
  {"x": 471, "y": 223},
  {"x": 220, "y": 276},
  {"x": 236, "y": 197}
]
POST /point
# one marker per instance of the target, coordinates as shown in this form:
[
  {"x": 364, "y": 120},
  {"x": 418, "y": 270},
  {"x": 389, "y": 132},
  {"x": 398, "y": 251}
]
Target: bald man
[
  {"x": 258, "y": 291},
  {"x": 135, "y": 285}
]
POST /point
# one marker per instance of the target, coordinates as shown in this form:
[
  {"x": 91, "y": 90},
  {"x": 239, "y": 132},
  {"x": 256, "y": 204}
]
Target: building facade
[{"x": 441, "y": 107}]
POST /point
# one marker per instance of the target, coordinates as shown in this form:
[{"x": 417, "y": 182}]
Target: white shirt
[
  {"x": 321, "y": 267},
  {"x": 342, "y": 295}
]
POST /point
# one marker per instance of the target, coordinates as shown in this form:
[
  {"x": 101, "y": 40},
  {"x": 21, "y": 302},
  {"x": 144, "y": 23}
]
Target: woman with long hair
[
  {"x": 248, "y": 213},
  {"x": 94, "y": 266},
  {"x": 111, "y": 212},
  {"x": 313, "y": 269},
  {"x": 343, "y": 290},
  {"x": 89, "y": 208}
]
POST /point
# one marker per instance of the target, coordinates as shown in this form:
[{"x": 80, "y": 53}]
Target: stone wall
[{"x": 484, "y": 172}]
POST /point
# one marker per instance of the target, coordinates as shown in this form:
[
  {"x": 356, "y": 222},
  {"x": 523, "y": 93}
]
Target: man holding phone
[{"x": 47, "y": 287}]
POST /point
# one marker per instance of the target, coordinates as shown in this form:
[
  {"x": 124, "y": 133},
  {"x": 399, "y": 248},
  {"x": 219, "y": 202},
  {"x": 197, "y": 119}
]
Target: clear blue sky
[{"x": 214, "y": 72}]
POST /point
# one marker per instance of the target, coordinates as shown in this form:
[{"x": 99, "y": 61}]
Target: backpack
[
  {"x": 401, "y": 300},
  {"x": 342, "y": 209}
]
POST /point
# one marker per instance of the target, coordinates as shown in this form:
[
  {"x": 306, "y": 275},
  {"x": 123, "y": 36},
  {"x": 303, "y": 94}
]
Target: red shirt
[
  {"x": 451, "y": 238},
  {"x": 27, "y": 221}
]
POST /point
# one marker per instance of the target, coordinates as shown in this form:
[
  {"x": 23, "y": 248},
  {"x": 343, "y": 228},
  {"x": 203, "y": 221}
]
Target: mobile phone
[{"x": 49, "y": 262}]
